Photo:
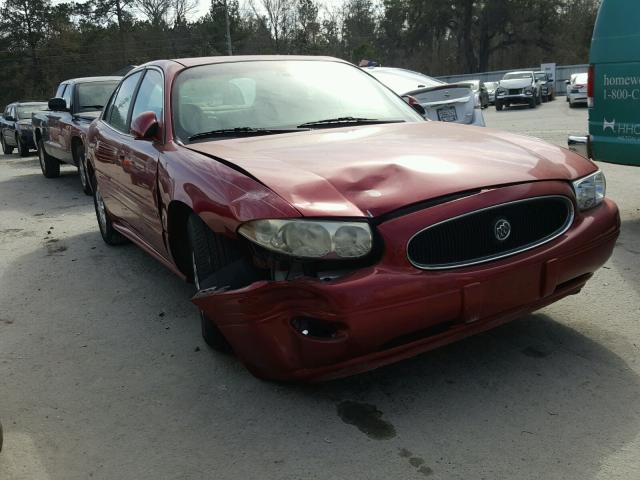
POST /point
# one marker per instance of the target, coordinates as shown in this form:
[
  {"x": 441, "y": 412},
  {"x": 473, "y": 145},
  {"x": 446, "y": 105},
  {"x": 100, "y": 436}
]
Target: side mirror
[
  {"x": 57, "y": 104},
  {"x": 415, "y": 104},
  {"x": 145, "y": 127}
]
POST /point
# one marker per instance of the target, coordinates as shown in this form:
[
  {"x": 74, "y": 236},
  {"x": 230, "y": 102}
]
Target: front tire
[
  {"x": 108, "y": 233},
  {"x": 82, "y": 170},
  {"x": 50, "y": 166},
  {"x": 23, "y": 150},
  {"x": 209, "y": 253},
  {"x": 6, "y": 149},
  {"x": 499, "y": 106}
]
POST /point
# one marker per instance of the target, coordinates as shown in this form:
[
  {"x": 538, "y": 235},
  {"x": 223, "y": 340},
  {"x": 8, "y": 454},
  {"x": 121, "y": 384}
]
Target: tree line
[{"x": 43, "y": 43}]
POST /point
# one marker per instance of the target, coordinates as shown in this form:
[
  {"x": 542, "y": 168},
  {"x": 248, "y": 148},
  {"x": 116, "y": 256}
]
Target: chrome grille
[{"x": 483, "y": 235}]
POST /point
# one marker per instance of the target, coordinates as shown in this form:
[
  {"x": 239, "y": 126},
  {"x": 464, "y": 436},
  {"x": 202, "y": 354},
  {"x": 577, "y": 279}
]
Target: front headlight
[
  {"x": 500, "y": 91},
  {"x": 310, "y": 238},
  {"x": 528, "y": 90},
  {"x": 590, "y": 190}
]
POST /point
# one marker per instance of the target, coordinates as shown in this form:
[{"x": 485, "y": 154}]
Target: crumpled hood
[
  {"x": 516, "y": 83},
  {"x": 371, "y": 170}
]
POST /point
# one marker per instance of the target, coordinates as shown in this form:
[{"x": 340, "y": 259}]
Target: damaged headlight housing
[
  {"x": 311, "y": 238},
  {"x": 590, "y": 190}
]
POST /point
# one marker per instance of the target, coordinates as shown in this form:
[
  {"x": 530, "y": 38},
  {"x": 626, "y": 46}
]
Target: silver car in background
[
  {"x": 518, "y": 88},
  {"x": 442, "y": 101},
  {"x": 577, "y": 89}
]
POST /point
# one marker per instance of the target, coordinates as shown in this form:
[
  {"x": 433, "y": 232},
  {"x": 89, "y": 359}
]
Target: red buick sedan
[{"x": 327, "y": 227}]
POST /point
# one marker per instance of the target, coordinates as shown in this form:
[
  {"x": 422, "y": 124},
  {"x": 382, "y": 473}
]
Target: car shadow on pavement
[{"x": 107, "y": 338}]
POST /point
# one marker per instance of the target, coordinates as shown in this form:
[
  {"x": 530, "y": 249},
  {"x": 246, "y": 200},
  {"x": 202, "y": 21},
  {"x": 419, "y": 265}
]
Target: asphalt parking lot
[{"x": 103, "y": 373}]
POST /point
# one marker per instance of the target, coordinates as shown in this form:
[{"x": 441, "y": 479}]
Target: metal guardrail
[{"x": 563, "y": 72}]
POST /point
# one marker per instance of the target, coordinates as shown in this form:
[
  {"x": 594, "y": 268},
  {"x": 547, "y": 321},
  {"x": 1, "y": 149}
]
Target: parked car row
[{"x": 328, "y": 228}]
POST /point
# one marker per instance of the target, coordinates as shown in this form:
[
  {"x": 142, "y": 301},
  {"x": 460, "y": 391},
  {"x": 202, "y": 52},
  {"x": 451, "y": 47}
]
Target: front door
[
  {"x": 111, "y": 151},
  {"x": 128, "y": 167},
  {"x": 141, "y": 164}
]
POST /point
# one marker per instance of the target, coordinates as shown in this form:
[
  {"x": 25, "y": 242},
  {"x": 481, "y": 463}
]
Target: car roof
[
  {"x": 196, "y": 61},
  {"x": 92, "y": 79},
  {"x": 520, "y": 71}
]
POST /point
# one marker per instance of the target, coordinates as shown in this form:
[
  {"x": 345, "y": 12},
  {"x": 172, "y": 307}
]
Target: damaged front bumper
[{"x": 390, "y": 311}]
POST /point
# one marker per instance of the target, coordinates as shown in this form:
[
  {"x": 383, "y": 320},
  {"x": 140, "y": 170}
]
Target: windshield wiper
[
  {"x": 346, "y": 121},
  {"x": 244, "y": 131}
]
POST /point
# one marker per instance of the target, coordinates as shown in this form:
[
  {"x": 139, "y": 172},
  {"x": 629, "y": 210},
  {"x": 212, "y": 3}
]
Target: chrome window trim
[{"x": 547, "y": 239}]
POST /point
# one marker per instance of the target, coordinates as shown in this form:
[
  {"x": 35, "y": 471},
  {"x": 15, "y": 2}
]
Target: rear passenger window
[
  {"x": 119, "y": 115},
  {"x": 149, "y": 97}
]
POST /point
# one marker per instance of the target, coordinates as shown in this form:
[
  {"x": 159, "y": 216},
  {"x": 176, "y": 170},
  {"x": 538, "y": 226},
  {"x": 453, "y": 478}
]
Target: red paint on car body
[{"x": 382, "y": 312}]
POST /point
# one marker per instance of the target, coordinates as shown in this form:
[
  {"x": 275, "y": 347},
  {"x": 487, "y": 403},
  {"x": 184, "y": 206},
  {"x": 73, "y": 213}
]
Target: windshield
[
  {"x": 25, "y": 111},
  {"x": 541, "y": 76},
  {"x": 404, "y": 81},
  {"x": 94, "y": 96},
  {"x": 278, "y": 95},
  {"x": 515, "y": 76}
]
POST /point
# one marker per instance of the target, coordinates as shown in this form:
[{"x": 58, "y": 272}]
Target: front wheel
[
  {"x": 499, "y": 106},
  {"x": 82, "y": 170},
  {"x": 6, "y": 149},
  {"x": 209, "y": 253},
  {"x": 50, "y": 166},
  {"x": 23, "y": 150},
  {"x": 108, "y": 233}
]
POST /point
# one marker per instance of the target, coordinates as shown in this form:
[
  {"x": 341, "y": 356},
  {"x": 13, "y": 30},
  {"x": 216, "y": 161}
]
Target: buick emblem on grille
[{"x": 502, "y": 229}]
